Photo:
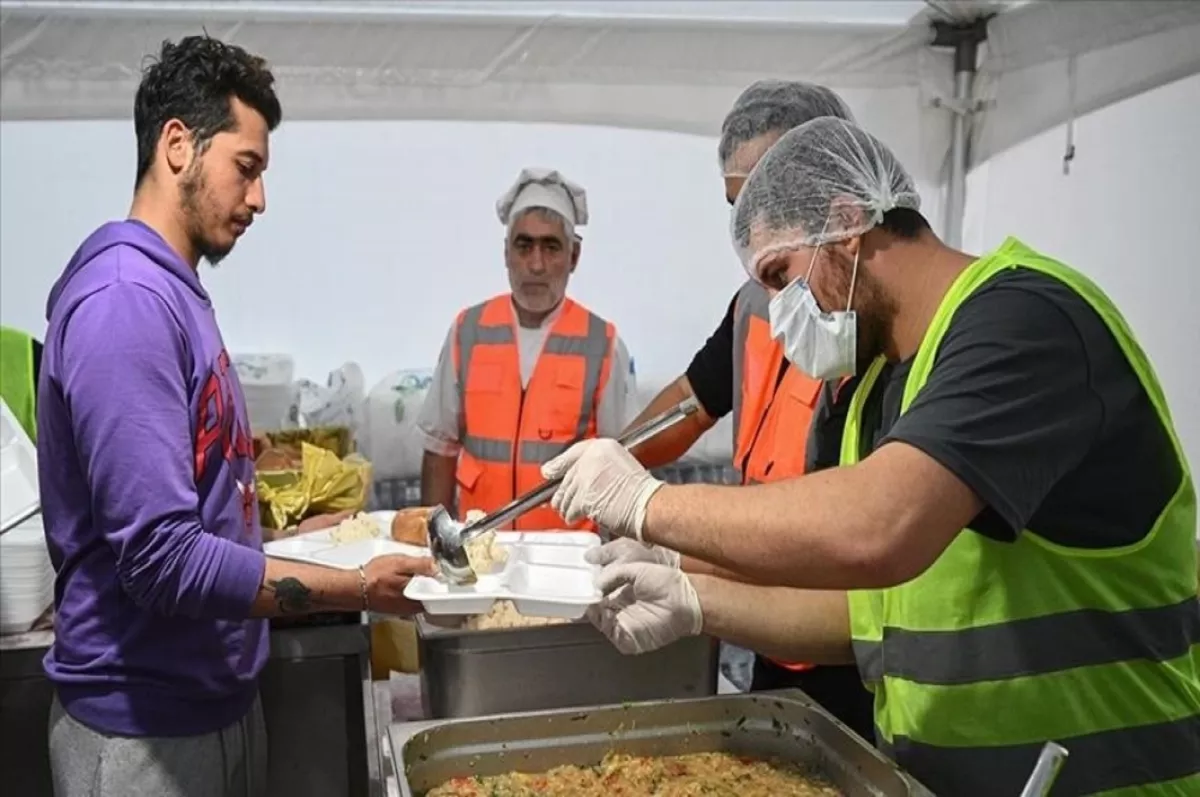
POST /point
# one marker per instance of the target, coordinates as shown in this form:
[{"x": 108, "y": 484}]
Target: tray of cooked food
[
  {"x": 538, "y": 573},
  {"x": 504, "y": 661},
  {"x": 765, "y": 744}
]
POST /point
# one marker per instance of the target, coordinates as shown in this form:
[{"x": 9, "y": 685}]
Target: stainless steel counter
[{"x": 316, "y": 692}]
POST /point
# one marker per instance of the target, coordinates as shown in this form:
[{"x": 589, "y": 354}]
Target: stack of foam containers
[
  {"x": 26, "y": 575},
  {"x": 267, "y": 383}
]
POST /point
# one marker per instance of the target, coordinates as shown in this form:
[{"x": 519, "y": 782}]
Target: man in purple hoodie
[{"x": 145, "y": 461}]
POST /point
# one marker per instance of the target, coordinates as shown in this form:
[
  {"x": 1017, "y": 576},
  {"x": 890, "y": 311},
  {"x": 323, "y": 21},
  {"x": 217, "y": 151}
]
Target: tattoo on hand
[{"x": 292, "y": 596}]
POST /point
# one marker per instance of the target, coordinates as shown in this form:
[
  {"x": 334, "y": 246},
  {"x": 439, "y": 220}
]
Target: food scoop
[{"x": 448, "y": 537}]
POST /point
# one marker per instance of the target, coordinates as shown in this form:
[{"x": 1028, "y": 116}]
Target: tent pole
[{"x": 965, "y": 39}]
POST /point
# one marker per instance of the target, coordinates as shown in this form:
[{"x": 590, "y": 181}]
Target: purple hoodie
[{"x": 147, "y": 482}]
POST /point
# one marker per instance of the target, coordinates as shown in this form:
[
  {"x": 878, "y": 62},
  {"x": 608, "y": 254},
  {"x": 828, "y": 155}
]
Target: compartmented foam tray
[{"x": 545, "y": 574}]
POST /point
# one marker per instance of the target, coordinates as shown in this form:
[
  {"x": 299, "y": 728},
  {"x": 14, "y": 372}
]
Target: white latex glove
[
  {"x": 646, "y": 606},
  {"x": 624, "y": 551},
  {"x": 603, "y": 483}
]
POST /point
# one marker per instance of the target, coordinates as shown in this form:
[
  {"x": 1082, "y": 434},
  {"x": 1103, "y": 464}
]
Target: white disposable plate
[
  {"x": 352, "y": 555},
  {"x": 318, "y": 548},
  {"x": 18, "y": 467},
  {"x": 545, "y": 576}
]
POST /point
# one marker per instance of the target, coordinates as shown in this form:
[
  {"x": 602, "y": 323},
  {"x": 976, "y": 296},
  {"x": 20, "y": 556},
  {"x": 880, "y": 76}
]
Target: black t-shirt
[
  {"x": 1032, "y": 404},
  {"x": 711, "y": 370}
]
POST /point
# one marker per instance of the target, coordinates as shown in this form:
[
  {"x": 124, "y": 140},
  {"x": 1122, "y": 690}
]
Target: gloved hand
[
  {"x": 603, "y": 483},
  {"x": 646, "y": 606},
  {"x": 624, "y": 551}
]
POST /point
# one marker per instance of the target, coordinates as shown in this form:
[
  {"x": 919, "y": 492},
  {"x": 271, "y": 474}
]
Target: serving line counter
[{"x": 317, "y": 701}]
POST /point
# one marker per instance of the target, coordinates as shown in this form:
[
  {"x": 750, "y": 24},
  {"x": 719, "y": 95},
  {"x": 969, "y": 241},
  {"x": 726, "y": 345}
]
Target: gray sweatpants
[{"x": 229, "y": 763}]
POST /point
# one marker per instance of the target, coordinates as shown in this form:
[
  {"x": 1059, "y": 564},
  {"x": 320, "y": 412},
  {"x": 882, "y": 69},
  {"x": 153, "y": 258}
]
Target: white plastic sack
[
  {"x": 388, "y": 436},
  {"x": 339, "y": 402}
]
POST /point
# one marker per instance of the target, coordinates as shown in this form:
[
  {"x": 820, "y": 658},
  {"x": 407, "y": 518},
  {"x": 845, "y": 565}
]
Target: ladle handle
[
  {"x": 545, "y": 491},
  {"x": 1045, "y": 771},
  {"x": 20, "y": 518}
]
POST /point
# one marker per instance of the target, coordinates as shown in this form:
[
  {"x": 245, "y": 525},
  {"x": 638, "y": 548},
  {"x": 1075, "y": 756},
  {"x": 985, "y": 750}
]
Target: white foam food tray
[
  {"x": 18, "y": 468},
  {"x": 545, "y": 576},
  {"x": 318, "y": 547}
]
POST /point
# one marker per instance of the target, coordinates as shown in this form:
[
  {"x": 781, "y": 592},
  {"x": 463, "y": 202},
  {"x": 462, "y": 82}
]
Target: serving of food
[
  {"x": 675, "y": 776},
  {"x": 504, "y": 614},
  {"x": 358, "y": 527},
  {"x": 484, "y": 553}
]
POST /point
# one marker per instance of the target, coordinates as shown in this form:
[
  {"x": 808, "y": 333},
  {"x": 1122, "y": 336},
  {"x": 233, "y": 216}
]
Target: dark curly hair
[{"x": 192, "y": 81}]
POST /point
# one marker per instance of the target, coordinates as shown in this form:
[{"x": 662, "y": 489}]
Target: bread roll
[
  {"x": 411, "y": 526},
  {"x": 276, "y": 459}
]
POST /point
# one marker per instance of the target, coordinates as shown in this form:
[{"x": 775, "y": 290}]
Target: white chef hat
[{"x": 548, "y": 189}]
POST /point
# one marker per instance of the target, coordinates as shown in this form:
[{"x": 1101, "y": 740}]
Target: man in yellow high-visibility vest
[
  {"x": 20, "y": 361},
  {"x": 1007, "y": 550}
]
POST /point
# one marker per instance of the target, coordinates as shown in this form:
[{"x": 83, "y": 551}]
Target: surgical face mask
[{"x": 822, "y": 345}]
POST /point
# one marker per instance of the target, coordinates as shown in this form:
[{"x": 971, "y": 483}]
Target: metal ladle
[
  {"x": 1049, "y": 762},
  {"x": 447, "y": 537}
]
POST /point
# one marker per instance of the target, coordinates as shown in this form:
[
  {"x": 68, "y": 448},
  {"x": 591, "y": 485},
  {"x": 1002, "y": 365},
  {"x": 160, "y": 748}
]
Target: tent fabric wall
[{"x": 634, "y": 66}]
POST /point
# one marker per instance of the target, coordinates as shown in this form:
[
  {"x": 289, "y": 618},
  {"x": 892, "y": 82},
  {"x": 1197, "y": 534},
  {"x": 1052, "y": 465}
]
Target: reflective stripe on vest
[
  {"x": 509, "y": 431},
  {"x": 999, "y": 647},
  {"x": 771, "y": 417},
  {"x": 16, "y": 378}
]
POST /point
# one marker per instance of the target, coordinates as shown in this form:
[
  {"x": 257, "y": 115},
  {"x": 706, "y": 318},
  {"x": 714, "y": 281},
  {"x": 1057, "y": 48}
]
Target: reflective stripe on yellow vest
[
  {"x": 999, "y": 647},
  {"x": 509, "y": 431},
  {"x": 16, "y": 378}
]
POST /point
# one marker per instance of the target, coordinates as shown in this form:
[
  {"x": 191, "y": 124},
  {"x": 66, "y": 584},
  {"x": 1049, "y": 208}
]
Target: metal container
[
  {"x": 784, "y": 725},
  {"x": 476, "y": 673}
]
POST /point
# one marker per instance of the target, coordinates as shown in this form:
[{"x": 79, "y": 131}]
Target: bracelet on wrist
[{"x": 362, "y": 582}]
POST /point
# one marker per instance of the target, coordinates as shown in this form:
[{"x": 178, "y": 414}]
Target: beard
[
  {"x": 198, "y": 205},
  {"x": 873, "y": 308}
]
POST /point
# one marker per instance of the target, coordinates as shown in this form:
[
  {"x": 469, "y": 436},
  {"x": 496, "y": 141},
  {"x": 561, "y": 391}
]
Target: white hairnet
[
  {"x": 827, "y": 180},
  {"x": 546, "y": 189},
  {"x": 771, "y": 106}
]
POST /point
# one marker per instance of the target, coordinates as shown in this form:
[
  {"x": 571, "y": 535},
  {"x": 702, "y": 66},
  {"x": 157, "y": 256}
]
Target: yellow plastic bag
[{"x": 325, "y": 483}]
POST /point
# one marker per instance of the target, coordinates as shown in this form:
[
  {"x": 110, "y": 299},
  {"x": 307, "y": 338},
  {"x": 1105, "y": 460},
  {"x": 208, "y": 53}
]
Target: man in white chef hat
[{"x": 524, "y": 374}]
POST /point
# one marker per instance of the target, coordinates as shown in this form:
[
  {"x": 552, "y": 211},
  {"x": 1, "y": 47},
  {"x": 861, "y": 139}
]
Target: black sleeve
[
  {"x": 711, "y": 370},
  {"x": 1009, "y": 406},
  {"x": 36, "y": 346}
]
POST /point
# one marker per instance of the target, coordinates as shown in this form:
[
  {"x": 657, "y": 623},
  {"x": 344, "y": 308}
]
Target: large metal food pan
[
  {"x": 477, "y": 673},
  {"x": 784, "y": 725}
]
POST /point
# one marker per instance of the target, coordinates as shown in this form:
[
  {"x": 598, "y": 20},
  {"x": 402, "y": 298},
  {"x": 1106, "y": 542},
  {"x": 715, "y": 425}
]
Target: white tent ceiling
[{"x": 663, "y": 66}]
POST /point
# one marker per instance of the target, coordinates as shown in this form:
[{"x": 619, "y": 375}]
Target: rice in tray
[
  {"x": 360, "y": 527},
  {"x": 484, "y": 554},
  {"x": 692, "y": 775},
  {"x": 504, "y": 614}
]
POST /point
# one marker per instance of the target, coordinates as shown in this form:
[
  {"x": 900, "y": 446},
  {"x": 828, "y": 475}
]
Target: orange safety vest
[
  {"x": 508, "y": 431},
  {"x": 771, "y": 417}
]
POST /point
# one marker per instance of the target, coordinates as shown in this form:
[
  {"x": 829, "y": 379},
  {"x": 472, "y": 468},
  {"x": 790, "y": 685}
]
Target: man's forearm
[
  {"x": 800, "y": 625},
  {"x": 694, "y": 566},
  {"x": 437, "y": 480},
  {"x": 876, "y": 524},
  {"x": 672, "y": 443},
  {"x": 291, "y": 588},
  {"x": 806, "y": 532}
]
